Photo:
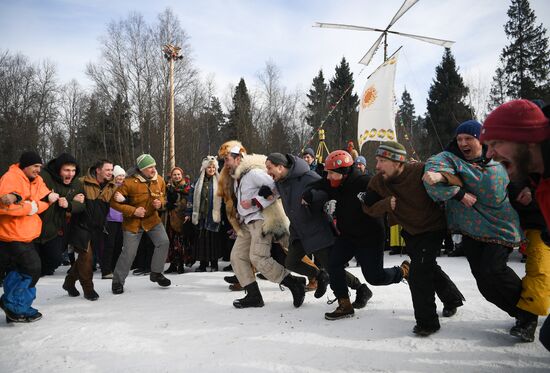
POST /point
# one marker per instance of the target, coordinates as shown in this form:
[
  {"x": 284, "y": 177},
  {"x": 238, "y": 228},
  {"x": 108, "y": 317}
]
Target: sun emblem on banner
[{"x": 369, "y": 97}]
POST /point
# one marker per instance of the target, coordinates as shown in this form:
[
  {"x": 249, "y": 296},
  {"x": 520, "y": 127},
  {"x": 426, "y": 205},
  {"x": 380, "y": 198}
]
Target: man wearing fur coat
[{"x": 260, "y": 221}]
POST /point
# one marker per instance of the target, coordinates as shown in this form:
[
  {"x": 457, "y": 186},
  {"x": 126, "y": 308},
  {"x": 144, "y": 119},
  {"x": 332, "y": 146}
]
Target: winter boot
[
  {"x": 362, "y": 296},
  {"x": 405, "y": 266},
  {"x": 173, "y": 268},
  {"x": 68, "y": 285},
  {"x": 253, "y": 297},
  {"x": 344, "y": 309},
  {"x": 526, "y": 324},
  {"x": 117, "y": 288},
  {"x": 231, "y": 279},
  {"x": 311, "y": 284},
  {"x": 159, "y": 279},
  {"x": 323, "y": 280},
  {"x": 297, "y": 289},
  {"x": 448, "y": 311},
  {"x": 91, "y": 295},
  {"x": 424, "y": 331}
]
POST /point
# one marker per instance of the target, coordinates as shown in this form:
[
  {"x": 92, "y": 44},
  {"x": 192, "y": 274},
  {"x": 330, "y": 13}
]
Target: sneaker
[
  {"x": 108, "y": 276},
  {"x": 139, "y": 272},
  {"x": 117, "y": 288},
  {"x": 405, "y": 267},
  {"x": 424, "y": 331},
  {"x": 159, "y": 279},
  {"x": 70, "y": 288},
  {"x": 13, "y": 317}
]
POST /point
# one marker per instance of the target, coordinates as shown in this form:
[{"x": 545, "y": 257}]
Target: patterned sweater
[{"x": 492, "y": 218}]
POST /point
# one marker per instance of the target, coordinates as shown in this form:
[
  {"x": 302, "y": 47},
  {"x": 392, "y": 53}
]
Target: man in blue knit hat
[{"x": 475, "y": 193}]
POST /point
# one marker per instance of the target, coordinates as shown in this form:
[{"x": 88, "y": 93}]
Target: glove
[
  {"x": 34, "y": 207},
  {"x": 265, "y": 191}
]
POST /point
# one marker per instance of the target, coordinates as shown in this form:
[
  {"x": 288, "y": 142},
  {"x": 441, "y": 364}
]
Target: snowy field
[{"x": 193, "y": 327}]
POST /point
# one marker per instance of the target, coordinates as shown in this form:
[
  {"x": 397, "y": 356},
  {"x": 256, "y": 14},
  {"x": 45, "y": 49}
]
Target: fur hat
[
  {"x": 118, "y": 171},
  {"x": 518, "y": 121},
  {"x": 226, "y": 147},
  {"x": 207, "y": 160}
]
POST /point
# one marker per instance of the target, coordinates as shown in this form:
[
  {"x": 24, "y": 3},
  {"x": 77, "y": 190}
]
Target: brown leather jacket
[{"x": 140, "y": 192}]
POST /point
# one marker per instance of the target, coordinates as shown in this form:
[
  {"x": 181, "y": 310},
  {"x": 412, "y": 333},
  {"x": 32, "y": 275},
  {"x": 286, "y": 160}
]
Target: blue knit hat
[
  {"x": 470, "y": 127},
  {"x": 361, "y": 160}
]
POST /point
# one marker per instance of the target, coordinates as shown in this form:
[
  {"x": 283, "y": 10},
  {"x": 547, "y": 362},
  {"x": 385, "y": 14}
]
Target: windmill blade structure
[{"x": 407, "y": 4}]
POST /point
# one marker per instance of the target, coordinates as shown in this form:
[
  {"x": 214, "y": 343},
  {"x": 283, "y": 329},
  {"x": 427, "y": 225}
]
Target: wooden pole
[{"x": 172, "y": 142}]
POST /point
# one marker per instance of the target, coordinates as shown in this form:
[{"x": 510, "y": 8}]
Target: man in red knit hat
[{"x": 517, "y": 134}]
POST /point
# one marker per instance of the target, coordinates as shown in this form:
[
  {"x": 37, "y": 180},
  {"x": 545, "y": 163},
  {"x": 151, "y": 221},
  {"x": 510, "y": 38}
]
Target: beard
[{"x": 521, "y": 161}]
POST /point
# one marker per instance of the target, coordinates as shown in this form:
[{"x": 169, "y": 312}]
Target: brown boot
[
  {"x": 312, "y": 285},
  {"x": 236, "y": 287},
  {"x": 405, "y": 266},
  {"x": 344, "y": 309}
]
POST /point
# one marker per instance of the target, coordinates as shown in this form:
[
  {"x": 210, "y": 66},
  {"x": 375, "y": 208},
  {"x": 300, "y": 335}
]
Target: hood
[
  {"x": 298, "y": 167},
  {"x": 54, "y": 166},
  {"x": 249, "y": 162}
]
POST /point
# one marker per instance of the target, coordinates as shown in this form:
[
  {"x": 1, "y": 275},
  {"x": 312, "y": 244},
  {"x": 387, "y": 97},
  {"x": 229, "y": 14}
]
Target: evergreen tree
[
  {"x": 525, "y": 61},
  {"x": 405, "y": 124},
  {"x": 445, "y": 105},
  {"x": 214, "y": 120},
  {"x": 317, "y": 107},
  {"x": 239, "y": 125},
  {"x": 279, "y": 138},
  {"x": 342, "y": 124}
]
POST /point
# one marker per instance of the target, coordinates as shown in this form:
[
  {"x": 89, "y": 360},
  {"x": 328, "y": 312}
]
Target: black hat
[
  {"x": 28, "y": 159},
  {"x": 278, "y": 159}
]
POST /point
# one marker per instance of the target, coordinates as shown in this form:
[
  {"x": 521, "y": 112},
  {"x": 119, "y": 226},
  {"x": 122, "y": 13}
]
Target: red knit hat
[{"x": 517, "y": 121}]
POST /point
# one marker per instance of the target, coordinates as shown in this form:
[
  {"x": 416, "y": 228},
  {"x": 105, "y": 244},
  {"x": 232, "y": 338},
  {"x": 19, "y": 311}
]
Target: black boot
[
  {"x": 424, "y": 331},
  {"x": 362, "y": 296},
  {"x": 323, "y": 280},
  {"x": 70, "y": 288},
  {"x": 297, "y": 289},
  {"x": 253, "y": 297},
  {"x": 231, "y": 279},
  {"x": 526, "y": 324},
  {"x": 159, "y": 279},
  {"x": 173, "y": 268},
  {"x": 91, "y": 295}
]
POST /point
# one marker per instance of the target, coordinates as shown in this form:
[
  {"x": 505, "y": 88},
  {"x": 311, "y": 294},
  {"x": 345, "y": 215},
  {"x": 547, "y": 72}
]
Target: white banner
[{"x": 376, "y": 112}]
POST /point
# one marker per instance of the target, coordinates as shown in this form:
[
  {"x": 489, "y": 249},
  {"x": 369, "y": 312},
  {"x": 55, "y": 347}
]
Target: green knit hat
[
  {"x": 144, "y": 161},
  {"x": 392, "y": 150}
]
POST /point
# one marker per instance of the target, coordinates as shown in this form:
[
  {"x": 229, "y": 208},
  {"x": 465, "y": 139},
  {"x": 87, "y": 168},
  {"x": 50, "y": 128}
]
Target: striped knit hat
[
  {"x": 144, "y": 161},
  {"x": 393, "y": 151}
]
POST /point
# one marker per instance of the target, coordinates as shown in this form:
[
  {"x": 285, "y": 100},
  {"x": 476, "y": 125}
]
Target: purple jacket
[{"x": 114, "y": 215}]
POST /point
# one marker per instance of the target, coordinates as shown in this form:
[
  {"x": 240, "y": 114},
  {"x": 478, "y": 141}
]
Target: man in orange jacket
[{"x": 24, "y": 195}]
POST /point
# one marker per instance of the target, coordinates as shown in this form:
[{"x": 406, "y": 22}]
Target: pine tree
[
  {"x": 342, "y": 124},
  {"x": 525, "y": 61},
  {"x": 445, "y": 105},
  {"x": 239, "y": 125},
  {"x": 214, "y": 120},
  {"x": 405, "y": 124},
  {"x": 317, "y": 107},
  {"x": 279, "y": 139}
]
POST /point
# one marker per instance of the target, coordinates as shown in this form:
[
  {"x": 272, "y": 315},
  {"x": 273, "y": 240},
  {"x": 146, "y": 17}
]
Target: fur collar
[{"x": 250, "y": 162}]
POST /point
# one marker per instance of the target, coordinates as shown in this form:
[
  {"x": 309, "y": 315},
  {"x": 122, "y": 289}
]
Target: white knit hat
[{"x": 118, "y": 171}]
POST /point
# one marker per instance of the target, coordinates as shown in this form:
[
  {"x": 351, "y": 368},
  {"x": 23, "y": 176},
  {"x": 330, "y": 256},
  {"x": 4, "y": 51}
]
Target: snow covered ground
[{"x": 193, "y": 327}]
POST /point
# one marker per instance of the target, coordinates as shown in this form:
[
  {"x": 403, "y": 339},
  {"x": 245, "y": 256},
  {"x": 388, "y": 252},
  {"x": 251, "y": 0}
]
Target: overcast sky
[{"x": 234, "y": 38}]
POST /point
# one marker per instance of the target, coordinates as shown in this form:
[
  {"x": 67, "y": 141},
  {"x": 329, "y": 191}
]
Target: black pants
[
  {"x": 426, "y": 278},
  {"x": 497, "y": 282},
  {"x": 50, "y": 254},
  {"x": 22, "y": 257},
  {"x": 144, "y": 254},
  {"x": 112, "y": 246},
  {"x": 371, "y": 260},
  {"x": 294, "y": 263}
]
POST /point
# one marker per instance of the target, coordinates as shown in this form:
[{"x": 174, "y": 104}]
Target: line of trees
[{"x": 125, "y": 111}]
